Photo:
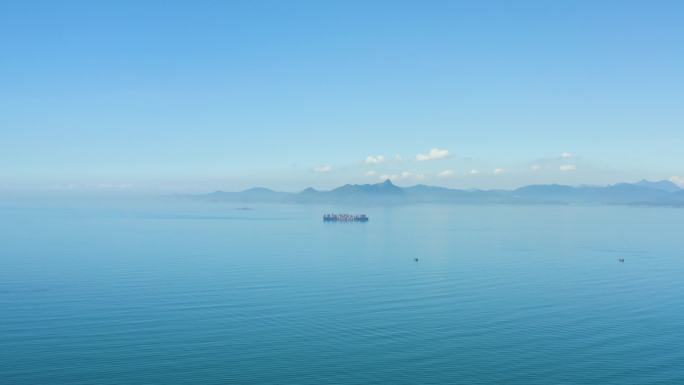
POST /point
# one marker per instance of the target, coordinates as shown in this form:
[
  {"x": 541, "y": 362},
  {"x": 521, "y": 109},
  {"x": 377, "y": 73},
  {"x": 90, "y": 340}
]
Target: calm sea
[{"x": 190, "y": 293}]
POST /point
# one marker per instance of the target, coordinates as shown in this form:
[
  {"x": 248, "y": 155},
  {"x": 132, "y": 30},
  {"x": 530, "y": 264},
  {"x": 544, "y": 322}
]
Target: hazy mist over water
[
  {"x": 165, "y": 169},
  {"x": 176, "y": 292}
]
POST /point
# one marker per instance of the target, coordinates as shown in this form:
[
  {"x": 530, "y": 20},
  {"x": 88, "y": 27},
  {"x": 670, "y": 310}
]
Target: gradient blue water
[{"x": 180, "y": 293}]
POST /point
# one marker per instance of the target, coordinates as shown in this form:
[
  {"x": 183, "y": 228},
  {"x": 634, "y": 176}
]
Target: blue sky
[{"x": 196, "y": 96}]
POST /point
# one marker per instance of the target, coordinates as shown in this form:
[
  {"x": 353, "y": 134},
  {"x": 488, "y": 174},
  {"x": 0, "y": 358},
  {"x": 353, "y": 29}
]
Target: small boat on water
[{"x": 345, "y": 218}]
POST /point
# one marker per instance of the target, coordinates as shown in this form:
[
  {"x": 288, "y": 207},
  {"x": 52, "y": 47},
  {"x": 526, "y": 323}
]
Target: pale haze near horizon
[{"x": 188, "y": 98}]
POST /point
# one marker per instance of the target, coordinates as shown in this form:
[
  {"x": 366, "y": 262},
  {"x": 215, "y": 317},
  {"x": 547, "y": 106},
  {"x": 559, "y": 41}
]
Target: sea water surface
[{"x": 181, "y": 292}]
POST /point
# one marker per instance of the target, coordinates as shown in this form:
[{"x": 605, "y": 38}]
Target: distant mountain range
[{"x": 660, "y": 193}]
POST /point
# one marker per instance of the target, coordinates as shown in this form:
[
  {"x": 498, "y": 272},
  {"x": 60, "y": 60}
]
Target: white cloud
[
  {"x": 403, "y": 176},
  {"x": 499, "y": 171},
  {"x": 568, "y": 167},
  {"x": 375, "y": 159},
  {"x": 410, "y": 175},
  {"x": 371, "y": 173},
  {"x": 678, "y": 180},
  {"x": 434, "y": 154},
  {"x": 536, "y": 167},
  {"x": 446, "y": 174},
  {"x": 566, "y": 155},
  {"x": 473, "y": 172},
  {"x": 398, "y": 158},
  {"x": 322, "y": 168}
]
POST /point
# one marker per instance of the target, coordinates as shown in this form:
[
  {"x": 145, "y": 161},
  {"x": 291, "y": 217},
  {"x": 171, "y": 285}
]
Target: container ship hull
[{"x": 345, "y": 218}]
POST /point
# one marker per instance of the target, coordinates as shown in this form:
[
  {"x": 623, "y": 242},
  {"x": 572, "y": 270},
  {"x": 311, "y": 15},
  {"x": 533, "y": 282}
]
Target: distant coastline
[{"x": 643, "y": 193}]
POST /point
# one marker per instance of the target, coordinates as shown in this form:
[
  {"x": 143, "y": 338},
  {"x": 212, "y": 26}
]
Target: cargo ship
[{"x": 345, "y": 218}]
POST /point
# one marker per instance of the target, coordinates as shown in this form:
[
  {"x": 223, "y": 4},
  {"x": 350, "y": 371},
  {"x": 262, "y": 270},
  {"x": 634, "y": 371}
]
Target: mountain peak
[
  {"x": 664, "y": 185},
  {"x": 386, "y": 192},
  {"x": 258, "y": 190}
]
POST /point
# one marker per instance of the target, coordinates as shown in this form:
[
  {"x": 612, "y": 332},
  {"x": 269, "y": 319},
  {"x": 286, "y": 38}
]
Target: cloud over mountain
[
  {"x": 322, "y": 169},
  {"x": 678, "y": 180},
  {"x": 375, "y": 159},
  {"x": 433, "y": 154}
]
